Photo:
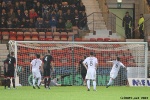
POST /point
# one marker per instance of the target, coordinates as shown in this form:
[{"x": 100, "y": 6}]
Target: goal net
[{"x": 68, "y": 54}]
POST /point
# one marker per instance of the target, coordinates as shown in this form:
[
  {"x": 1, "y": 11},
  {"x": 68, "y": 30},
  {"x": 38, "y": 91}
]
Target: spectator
[
  {"x": 53, "y": 24},
  {"x": 65, "y": 8},
  {"x": 9, "y": 5},
  {"x": 31, "y": 24},
  {"x": 53, "y": 14},
  {"x": 26, "y": 15},
  {"x": 9, "y": 23},
  {"x": 73, "y": 8},
  {"x": 46, "y": 24},
  {"x": 16, "y": 23},
  {"x": 3, "y": 23},
  {"x": 55, "y": 8},
  {"x": 11, "y": 14},
  {"x": 39, "y": 23},
  {"x": 83, "y": 21},
  {"x": 68, "y": 26},
  {"x": 4, "y": 7},
  {"x": 68, "y": 15},
  {"x": 23, "y": 6},
  {"x": 38, "y": 9},
  {"x": 127, "y": 24},
  {"x": 60, "y": 15},
  {"x": 3, "y": 14},
  {"x": 33, "y": 15},
  {"x": 81, "y": 7},
  {"x": 46, "y": 16},
  {"x": 60, "y": 25},
  {"x": 19, "y": 15},
  {"x": 141, "y": 26},
  {"x": 45, "y": 9},
  {"x": 23, "y": 23},
  {"x": 17, "y": 7},
  {"x": 76, "y": 18}
]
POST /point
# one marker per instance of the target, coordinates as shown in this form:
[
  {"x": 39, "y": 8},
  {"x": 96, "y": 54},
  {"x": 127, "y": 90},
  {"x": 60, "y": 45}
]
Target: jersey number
[
  {"x": 116, "y": 65},
  {"x": 46, "y": 58},
  {"x": 9, "y": 61},
  {"x": 91, "y": 63}
]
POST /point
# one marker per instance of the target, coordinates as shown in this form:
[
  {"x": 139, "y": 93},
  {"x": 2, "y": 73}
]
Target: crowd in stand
[{"x": 59, "y": 15}]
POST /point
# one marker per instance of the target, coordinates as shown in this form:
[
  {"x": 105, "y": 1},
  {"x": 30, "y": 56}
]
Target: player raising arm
[
  {"x": 114, "y": 71},
  {"x": 91, "y": 67},
  {"x": 35, "y": 67}
]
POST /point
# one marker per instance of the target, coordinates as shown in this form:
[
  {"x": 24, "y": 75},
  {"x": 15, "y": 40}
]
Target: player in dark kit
[
  {"x": 6, "y": 70},
  {"x": 82, "y": 69},
  {"x": 11, "y": 69},
  {"x": 48, "y": 67}
]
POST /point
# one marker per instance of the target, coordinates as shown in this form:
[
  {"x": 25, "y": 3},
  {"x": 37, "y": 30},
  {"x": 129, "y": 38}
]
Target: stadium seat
[
  {"x": 20, "y": 33},
  {"x": 27, "y": 33},
  {"x": 56, "y": 34},
  {"x": 106, "y": 39},
  {"x": 49, "y": 35},
  {"x": 78, "y": 39},
  {"x": 49, "y": 39},
  {"x": 20, "y": 38},
  {"x": 70, "y": 38},
  {"x": 85, "y": 39},
  {"x": 41, "y": 34},
  {"x": 64, "y": 38},
  {"x": 5, "y": 35},
  {"x": 92, "y": 39},
  {"x": 12, "y": 33},
  {"x": 56, "y": 38},
  {"x": 35, "y": 38},
  {"x": 63, "y": 34},
  {"x": 99, "y": 39},
  {"x": 12, "y": 38},
  {"x": 27, "y": 38},
  {"x": 42, "y": 39},
  {"x": 34, "y": 34}
]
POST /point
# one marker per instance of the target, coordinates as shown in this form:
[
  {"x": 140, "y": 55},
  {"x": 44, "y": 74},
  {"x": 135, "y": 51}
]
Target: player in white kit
[
  {"x": 91, "y": 67},
  {"x": 35, "y": 67},
  {"x": 114, "y": 71}
]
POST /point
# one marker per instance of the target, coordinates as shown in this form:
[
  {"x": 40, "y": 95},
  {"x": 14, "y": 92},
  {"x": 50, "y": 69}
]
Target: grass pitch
[{"x": 75, "y": 93}]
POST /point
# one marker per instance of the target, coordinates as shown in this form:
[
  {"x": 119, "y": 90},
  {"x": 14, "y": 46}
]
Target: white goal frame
[{"x": 14, "y": 43}]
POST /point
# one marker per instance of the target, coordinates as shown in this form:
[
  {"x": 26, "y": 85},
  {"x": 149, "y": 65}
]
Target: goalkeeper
[
  {"x": 54, "y": 82},
  {"x": 114, "y": 71}
]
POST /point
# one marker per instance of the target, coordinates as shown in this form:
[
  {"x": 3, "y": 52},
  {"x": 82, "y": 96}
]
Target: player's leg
[
  {"x": 5, "y": 79},
  {"x": 34, "y": 79},
  {"x": 83, "y": 78},
  {"x": 8, "y": 79},
  {"x": 49, "y": 78},
  {"x": 45, "y": 78},
  {"x": 88, "y": 77},
  {"x": 94, "y": 79},
  {"x": 112, "y": 77},
  {"x": 39, "y": 80},
  {"x": 13, "y": 78}
]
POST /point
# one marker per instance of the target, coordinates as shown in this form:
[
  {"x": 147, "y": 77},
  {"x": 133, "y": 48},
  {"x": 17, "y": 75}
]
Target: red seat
[
  {"x": 49, "y": 39},
  {"x": 5, "y": 35},
  {"x": 41, "y": 34},
  {"x": 78, "y": 39},
  {"x": 20, "y": 38},
  {"x": 12, "y": 38},
  {"x": 99, "y": 39},
  {"x": 42, "y": 39},
  {"x": 106, "y": 39},
  {"x": 92, "y": 39}
]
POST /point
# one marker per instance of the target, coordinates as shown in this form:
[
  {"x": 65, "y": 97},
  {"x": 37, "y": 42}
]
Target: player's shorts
[
  {"x": 36, "y": 73},
  {"x": 91, "y": 74},
  {"x": 10, "y": 73},
  {"x": 47, "y": 72},
  {"x": 83, "y": 75},
  {"x": 113, "y": 75},
  {"x": 5, "y": 73}
]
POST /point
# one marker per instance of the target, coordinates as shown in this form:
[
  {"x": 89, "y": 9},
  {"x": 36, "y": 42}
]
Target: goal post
[{"x": 134, "y": 55}]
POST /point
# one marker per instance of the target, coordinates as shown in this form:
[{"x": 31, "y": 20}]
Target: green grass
[{"x": 74, "y": 93}]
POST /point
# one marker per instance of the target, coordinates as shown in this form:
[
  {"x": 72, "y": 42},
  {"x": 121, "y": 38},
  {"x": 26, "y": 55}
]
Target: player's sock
[
  {"x": 8, "y": 83},
  {"x": 49, "y": 80},
  {"x": 13, "y": 81},
  {"x": 88, "y": 84},
  {"x": 34, "y": 81},
  {"x": 110, "y": 82},
  {"x": 45, "y": 81},
  {"x": 5, "y": 83},
  {"x": 94, "y": 85},
  {"x": 39, "y": 81}
]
